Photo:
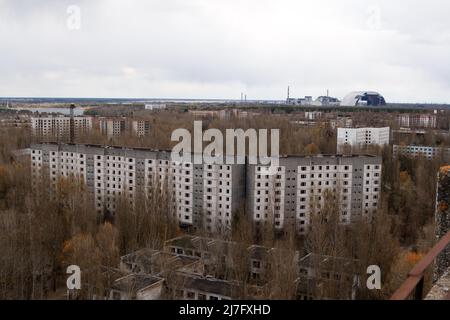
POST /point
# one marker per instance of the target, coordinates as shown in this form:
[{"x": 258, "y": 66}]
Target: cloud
[{"x": 216, "y": 49}]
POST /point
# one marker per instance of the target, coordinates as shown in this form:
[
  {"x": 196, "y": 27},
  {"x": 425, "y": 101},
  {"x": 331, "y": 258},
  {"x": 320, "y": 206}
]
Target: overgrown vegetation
[{"x": 42, "y": 232}]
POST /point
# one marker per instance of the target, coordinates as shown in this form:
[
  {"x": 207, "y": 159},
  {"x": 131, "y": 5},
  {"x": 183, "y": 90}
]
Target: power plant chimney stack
[{"x": 288, "y": 94}]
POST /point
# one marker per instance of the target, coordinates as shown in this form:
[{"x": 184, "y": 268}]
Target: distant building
[
  {"x": 429, "y": 153},
  {"x": 306, "y": 101},
  {"x": 117, "y": 127},
  {"x": 155, "y": 106},
  {"x": 141, "y": 128},
  {"x": 113, "y": 127},
  {"x": 16, "y": 121},
  {"x": 221, "y": 114},
  {"x": 341, "y": 122},
  {"x": 324, "y": 101},
  {"x": 363, "y": 98},
  {"x": 313, "y": 115},
  {"x": 58, "y": 128},
  {"x": 417, "y": 120},
  {"x": 361, "y": 137},
  {"x": 304, "y": 123}
]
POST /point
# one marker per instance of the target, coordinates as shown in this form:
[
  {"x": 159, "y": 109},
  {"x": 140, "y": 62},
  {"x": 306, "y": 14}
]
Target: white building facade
[
  {"x": 361, "y": 137},
  {"x": 113, "y": 127},
  {"x": 203, "y": 196},
  {"x": 417, "y": 120},
  {"x": 208, "y": 196},
  {"x": 298, "y": 189},
  {"x": 141, "y": 128}
]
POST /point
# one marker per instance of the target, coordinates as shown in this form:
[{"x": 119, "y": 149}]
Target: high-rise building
[
  {"x": 208, "y": 196},
  {"x": 141, "y": 128},
  {"x": 361, "y": 137},
  {"x": 298, "y": 189},
  {"x": 417, "y": 120},
  {"x": 58, "y": 128},
  {"x": 116, "y": 127},
  {"x": 113, "y": 127},
  {"x": 204, "y": 196}
]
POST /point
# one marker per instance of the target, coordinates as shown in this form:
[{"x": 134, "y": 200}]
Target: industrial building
[
  {"x": 363, "y": 98},
  {"x": 324, "y": 101}
]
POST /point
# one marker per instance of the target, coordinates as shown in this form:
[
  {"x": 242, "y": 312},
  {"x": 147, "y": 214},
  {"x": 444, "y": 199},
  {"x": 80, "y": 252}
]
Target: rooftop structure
[
  {"x": 136, "y": 287},
  {"x": 205, "y": 282}
]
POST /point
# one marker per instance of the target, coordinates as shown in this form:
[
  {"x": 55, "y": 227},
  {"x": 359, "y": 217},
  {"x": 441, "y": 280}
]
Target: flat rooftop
[
  {"x": 135, "y": 282},
  {"x": 122, "y": 148}
]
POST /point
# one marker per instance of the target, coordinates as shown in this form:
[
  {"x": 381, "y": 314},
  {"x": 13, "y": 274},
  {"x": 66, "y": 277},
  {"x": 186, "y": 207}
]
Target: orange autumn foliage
[{"x": 413, "y": 257}]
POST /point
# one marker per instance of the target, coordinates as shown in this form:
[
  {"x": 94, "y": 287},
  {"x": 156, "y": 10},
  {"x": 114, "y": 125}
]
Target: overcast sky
[{"x": 218, "y": 49}]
